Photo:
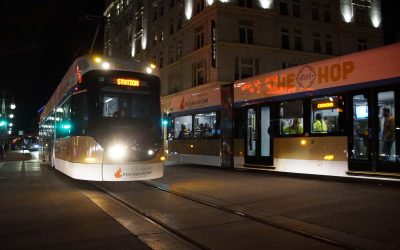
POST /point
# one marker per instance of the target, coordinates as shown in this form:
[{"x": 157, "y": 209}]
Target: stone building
[{"x": 199, "y": 43}]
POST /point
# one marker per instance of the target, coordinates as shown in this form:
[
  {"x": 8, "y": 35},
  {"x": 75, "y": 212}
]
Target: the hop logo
[
  {"x": 306, "y": 77},
  {"x": 117, "y": 173}
]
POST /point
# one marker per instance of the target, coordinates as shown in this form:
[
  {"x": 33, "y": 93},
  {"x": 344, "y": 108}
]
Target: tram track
[
  {"x": 151, "y": 219},
  {"x": 189, "y": 241},
  {"x": 167, "y": 188}
]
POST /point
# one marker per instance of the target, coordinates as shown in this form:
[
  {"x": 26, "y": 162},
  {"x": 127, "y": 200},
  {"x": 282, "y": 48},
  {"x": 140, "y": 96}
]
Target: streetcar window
[
  {"x": 325, "y": 115},
  {"x": 205, "y": 125},
  {"x": 63, "y": 120},
  {"x": 183, "y": 126},
  {"x": 291, "y": 118},
  {"x": 360, "y": 123},
  {"x": 387, "y": 129},
  {"x": 128, "y": 105},
  {"x": 110, "y": 105}
]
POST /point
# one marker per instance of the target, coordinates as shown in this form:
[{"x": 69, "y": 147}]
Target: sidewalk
[
  {"x": 17, "y": 155},
  {"x": 42, "y": 209}
]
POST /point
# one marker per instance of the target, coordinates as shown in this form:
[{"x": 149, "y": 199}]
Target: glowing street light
[{"x": 12, "y": 106}]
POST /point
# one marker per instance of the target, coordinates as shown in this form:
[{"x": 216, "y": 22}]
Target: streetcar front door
[
  {"x": 258, "y": 143},
  {"x": 374, "y": 144}
]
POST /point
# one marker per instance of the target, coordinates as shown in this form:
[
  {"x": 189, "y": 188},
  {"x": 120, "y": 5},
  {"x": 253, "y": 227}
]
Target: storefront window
[
  {"x": 183, "y": 127},
  {"x": 205, "y": 125},
  {"x": 291, "y": 118},
  {"x": 325, "y": 115}
]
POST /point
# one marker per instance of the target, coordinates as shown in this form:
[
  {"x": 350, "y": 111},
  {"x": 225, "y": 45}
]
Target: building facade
[{"x": 199, "y": 43}]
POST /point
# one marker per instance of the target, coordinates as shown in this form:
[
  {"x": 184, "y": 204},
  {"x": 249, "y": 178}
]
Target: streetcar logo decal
[
  {"x": 305, "y": 77},
  {"x": 118, "y": 173},
  {"x": 199, "y": 100},
  {"x": 137, "y": 172}
]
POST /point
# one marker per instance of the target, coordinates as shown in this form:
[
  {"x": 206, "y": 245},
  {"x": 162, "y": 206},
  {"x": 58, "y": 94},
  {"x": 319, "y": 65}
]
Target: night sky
[{"x": 41, "y": 38}]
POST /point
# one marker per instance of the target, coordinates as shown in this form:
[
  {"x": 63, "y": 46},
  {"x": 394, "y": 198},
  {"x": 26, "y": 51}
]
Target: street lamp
[{"x": 7, "y": 104}]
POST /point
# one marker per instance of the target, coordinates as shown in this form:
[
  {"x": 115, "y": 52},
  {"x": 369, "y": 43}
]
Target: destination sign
[{"x": 127, "y": 82}]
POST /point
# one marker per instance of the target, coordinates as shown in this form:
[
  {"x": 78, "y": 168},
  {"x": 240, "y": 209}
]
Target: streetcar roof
[{"x": 84, "y": 64}]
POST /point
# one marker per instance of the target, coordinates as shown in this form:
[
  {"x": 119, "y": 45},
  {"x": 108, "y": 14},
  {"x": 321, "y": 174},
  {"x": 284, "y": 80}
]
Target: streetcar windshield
[{"x": 128, "y": 105}]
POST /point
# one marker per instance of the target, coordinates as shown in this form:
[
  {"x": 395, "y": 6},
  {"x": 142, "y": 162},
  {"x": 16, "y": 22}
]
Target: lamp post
[{"x": 6, "y": 117}]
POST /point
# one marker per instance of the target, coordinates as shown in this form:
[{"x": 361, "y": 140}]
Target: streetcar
[
  {"x": 335, "y": 117},
  {"x": 103, "y": 121}
]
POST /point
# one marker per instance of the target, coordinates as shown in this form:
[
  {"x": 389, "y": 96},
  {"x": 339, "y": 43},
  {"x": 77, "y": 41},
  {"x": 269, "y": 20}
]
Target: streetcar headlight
[
  {"x": 117, "y": 152},
  {"x": 150, "y": 152}
]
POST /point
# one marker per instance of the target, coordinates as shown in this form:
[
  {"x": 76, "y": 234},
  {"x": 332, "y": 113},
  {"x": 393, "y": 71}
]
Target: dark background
[{"x": 39, "y": 39}]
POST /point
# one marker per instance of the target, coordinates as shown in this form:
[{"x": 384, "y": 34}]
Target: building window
[
  {"x": 283, "y": 8},
  {"x": 361, "y": 16},
  {"x": 327, "y": 13},
  {"x": 328, "y": 44},
  {"x": 285, "y": 38},
  {"x": 298, "y": 40},
  {"x": 171, "y": 3},
  {"x": 161, "y": 7},
  {"x": 246, "y": 32},
  {"x": 173, "y": 84},
  {"x": 362, "y": 44},
  {"x": 199, "y": 6},
  {"x": 199, "y": 37},
  {"x": 138, "y": 44},
  {"x": 314, "y": 11},
  {"x": 199, "y": 73},
  {"x": 291, "y": 118},
  {"x": 246, "y": 3},
  {"x": 139, "y": 24},
  {"x": 246, "y": 67},
  {"x": 179, "y": 22},
  {"x": 119, "y": 9},
  {"x": 155, "y": 14},
  {"x": 317, "y": 42},
  {"x": 296, "y": 8},
  {"x": 161, "y": 36},
  {"x": 155, "y": 39}
]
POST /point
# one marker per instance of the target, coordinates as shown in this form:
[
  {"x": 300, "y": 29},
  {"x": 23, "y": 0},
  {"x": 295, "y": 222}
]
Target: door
[
  {"x": 360, "y": 152},
  {"x": 374, "y": 138},
  {"x": 258, "y": 146},
  {"x": 387, "y": 131}
]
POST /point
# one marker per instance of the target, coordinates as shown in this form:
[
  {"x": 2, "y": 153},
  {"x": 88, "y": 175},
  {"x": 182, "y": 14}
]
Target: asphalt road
[{"x": 42, "y": 208}]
